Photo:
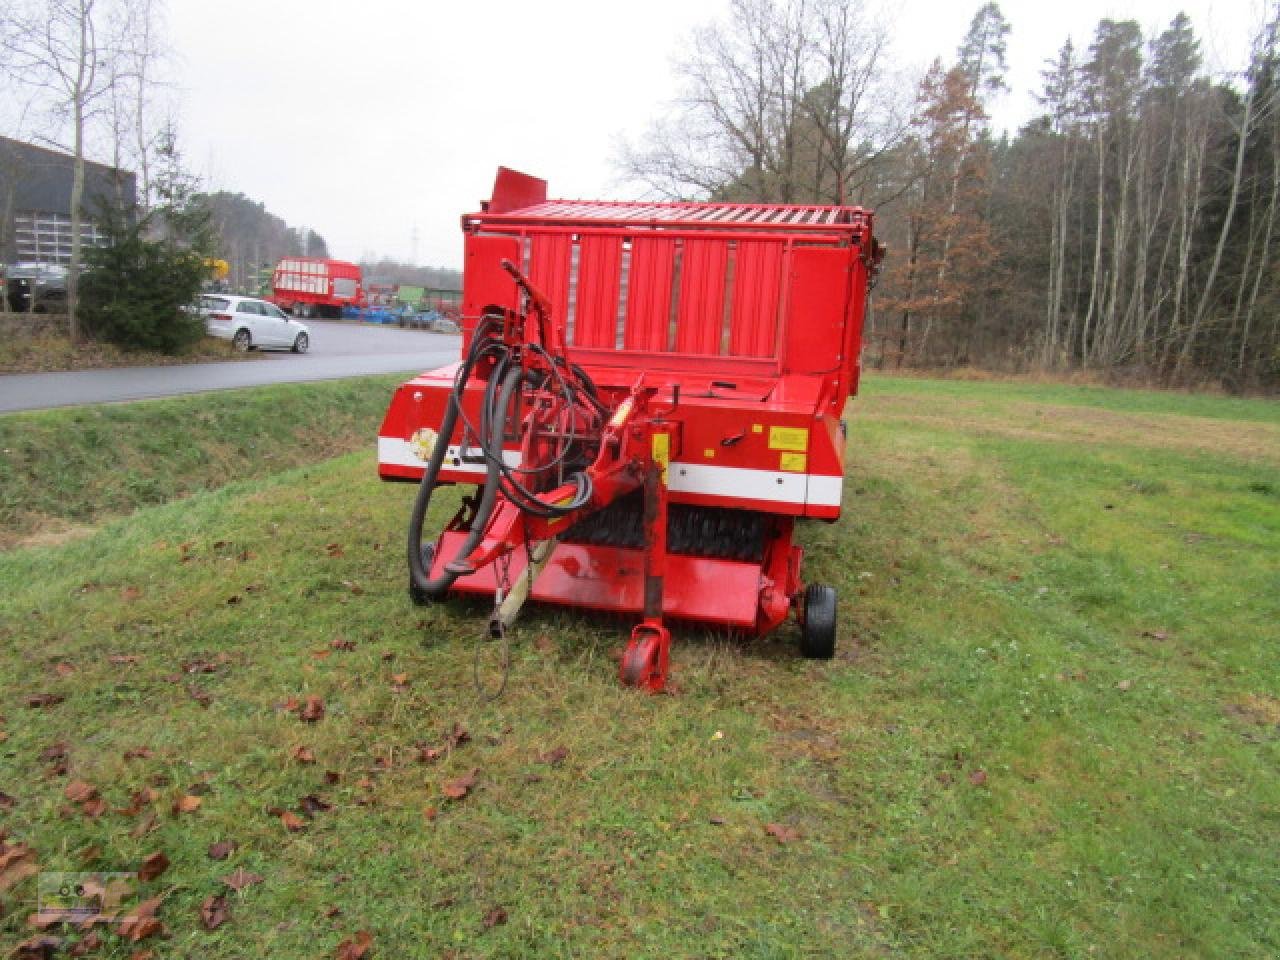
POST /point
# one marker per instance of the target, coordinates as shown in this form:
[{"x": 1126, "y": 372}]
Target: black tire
[
  {"x": 242, "y": 341},
  {"x": 301, "y": 343},
  {"x": 420, "y": 597},
  {"x": 818, "y": 631}
]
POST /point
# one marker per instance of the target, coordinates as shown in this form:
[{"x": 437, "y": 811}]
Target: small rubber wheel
[
  {"x": 638, "y": 662},
  {"x": 818, "y": 631},
  {"x": 301, "y": 343},
  {"x": 420, "y": 597},
  {"x": 242, "y": 341}
]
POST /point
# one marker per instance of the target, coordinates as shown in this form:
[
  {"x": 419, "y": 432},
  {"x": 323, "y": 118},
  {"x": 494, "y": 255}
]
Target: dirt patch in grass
[
  {"x": 49, "y": 352},
  {"x": 1260, "y": 709}
]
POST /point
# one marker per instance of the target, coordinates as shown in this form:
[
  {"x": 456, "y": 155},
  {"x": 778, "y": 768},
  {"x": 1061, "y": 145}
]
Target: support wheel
[
  {"x": 301, "y": 343},
  {"x": 242, "y": 341},
  {"x": 419, "y": 597},
  {"x": 818, "y": 630}
]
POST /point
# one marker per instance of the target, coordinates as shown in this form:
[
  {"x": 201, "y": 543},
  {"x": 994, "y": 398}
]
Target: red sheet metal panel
[
  {"x": 599, "y": 273},
  {"x": 701, "y": 312},
  {"x": 649, "y": 293},
  {"x": 612, "y": 579},
  {"x": 549, "y": 269},
  {"x": 757, "y": 288}
]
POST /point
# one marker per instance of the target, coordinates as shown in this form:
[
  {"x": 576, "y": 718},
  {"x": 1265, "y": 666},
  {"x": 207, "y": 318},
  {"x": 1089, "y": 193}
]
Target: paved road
[{"x": 337, "y": 350}]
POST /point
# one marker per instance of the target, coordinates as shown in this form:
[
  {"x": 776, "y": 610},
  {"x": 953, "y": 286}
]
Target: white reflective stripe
[{"x": 780, "y": 487}]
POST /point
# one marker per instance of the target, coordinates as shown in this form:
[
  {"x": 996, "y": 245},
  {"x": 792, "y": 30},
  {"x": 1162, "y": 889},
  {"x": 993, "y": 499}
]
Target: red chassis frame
[{"x": 741, "y": 324}]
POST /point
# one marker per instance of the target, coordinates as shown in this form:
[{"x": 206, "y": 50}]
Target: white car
[{"x": 250, "y": 324}]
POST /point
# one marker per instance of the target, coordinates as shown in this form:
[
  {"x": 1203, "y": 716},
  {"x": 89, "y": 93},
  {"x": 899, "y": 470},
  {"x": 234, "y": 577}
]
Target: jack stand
[{"x": 644, "y": 664}]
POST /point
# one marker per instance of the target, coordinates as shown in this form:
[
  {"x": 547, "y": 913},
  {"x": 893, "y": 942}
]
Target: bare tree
[{"x": 72, "y": 52}]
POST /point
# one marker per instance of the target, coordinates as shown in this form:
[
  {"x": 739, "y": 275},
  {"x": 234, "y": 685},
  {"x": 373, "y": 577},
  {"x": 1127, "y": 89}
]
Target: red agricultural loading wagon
[
  {"x": 649, "y": 396},
  {"x": 316, "y": 287}
]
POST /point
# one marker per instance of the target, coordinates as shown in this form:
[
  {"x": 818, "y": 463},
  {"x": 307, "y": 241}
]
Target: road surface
[{"x": 337, "y": 350}]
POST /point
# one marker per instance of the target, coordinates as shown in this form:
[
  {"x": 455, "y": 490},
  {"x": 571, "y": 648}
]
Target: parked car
[
  {"x": 41, "y": 287},
  {"x": 250, "y": 323}
]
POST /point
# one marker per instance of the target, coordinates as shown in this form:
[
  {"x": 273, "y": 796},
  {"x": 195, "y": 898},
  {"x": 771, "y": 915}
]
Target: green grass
[
  {"x": 1053, "y": 728},
  {"x": 76, "y": 465}
]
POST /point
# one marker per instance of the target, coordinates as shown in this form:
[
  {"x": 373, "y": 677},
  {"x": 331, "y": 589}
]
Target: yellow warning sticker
[
  {"x": 789, "y": 438},
  {"x": 709, "y": 453},
  {"x": 757, "y": 428},
  {"x": 795, "y": 462},
  {"x": 662, "y": 452}
]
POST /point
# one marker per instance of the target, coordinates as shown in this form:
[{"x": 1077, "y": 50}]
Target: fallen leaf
[
  {"x": 123, "y": 659},
  {"x": 312, "y": 710},
  {"x": 978, "y": 777},
  {"x": 429, "y": 754},
  {"x": 130, "y": 593},
  {"x": 241, "y": 878},
  {"x": 234, "y": 599},
  {"x": 400, "y": 682},
  {"x": 333, "y": 549},
  {"x": 554, "y": 757},
  {"x": 16, "y": 864},
  {"x": 152, "y": 866},
  {"x": 784, "y": 834},
  {"x": 339, "y": 643},
  {"x": 292, "y": 822},
  {"x": 330, "y": 912},
  {"x": 94, "y": 808},
  {"x": 1156, "y": 634},
  {"x": 55, "y": 751},
  {"x": 456, "y": 737},
  {"x": 141, "y": 922},
  {"x": 332, "y": 776},
  {"x": 353, "y": 587},
  {"x": 64, "y": 669},
  {"x": 429, "y": 813},
  {"x": 716, "y": 821},
  {"x": 137, "y": 753},
  {"x": 302, "y": 754},
  {"x": 78, "y": 791},
  {"x": 43, "y": 921},
  {"x": 6, "y": 802},
  {"x": 213, "y": 912},
  {"x": 543, "y": 643},
  {"x": 143, "y": 955},
  {"x": 187, "y": 803},
  {"x": 199, "y": 696},
  {"x": 222, "y": 849},
  {"x": 459, "y": 787},
  {"x": 44, "y": 699},
  {"x": 37, "y": 948},
  {"x": 86, "y": 945},
  {"x": 355, "y": 948},
  {"x": 495, "y": 917},
  {"x": 145, "y": 825},
  {"x": 311, "y": 805}
]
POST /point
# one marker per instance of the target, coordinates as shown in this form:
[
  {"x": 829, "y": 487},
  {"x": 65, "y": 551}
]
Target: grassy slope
[
  {"x": 1052, "y": 730},
  {"x": 78, "y": 464}
]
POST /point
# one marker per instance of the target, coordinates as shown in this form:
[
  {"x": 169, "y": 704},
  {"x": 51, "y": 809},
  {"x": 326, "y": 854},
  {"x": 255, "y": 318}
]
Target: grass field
[
  {"x": 65, "y": 468},
  {"x": 1052, "y": 730}
]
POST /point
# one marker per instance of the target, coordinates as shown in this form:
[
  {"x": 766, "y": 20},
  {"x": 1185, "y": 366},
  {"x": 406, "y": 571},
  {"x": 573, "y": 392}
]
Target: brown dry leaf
[
  {"x": 456, "y": 737},
  {"x": 312, "y": 710},
  {"x": 784, "y": 834},
  {"x": 213, "y": 912},
  {"x": 78, "y": 791},
  {"x": 543, "y": 643},
  {"x": 459, "y": 787},
  {"x": 44, "y": 699},
  {"x": 292, "y": 822},
  {"x": 353, "y": 587},
  {"x": 86, "y": 945},
  {"x": 145, "y": 825},
  {"x": 143, "y": 955},
  {"x": 137, "y": 753},
  {"x": 43, "y": 921},
  {"x": 302, "y": 754},
  {"x": 94, "y": 808},
  {"x": 241, "y": 878},
  {"x": 554, "y": 757},
  {"x": 141, "y": 922},
  {"x": 6, "y": 802},
  {"x": 124, "y": 659},
  {"x": 495, "y": 917},
  {"x": 187, "y": 803},
  {"x": 330, "y": 912},
  {"x": 429, "y": 754},
  {"x": 38, "y": 947},
  {"x": 55, "y": 751},
  {"x": 152, "y": 866},
  {"x": 139, "y": 801},
  {"x": 130, "y": 593},
  {"x": 429, "y": 813},
  {"x": 332, "y": 776},
  {"x": 199, "y": 696},
  {"x": 978, "y": 777},
  {"x": 333, "y": 549},
  {"x": 16, "y": 864},
  {"x": 64, "y": 669},
  {"x": 222, "y": 849},
  {"x": 355, "y": 948},
  {"x": 311, "y": 805},
  {"x": 340, "y": 643},
  {"x": 400, "y": 682}
]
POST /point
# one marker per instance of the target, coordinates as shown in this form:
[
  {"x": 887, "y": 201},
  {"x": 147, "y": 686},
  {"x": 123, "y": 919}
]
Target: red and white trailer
[
  {"x": 316, "y": 287},
  {"x": 650, "y": 396}
]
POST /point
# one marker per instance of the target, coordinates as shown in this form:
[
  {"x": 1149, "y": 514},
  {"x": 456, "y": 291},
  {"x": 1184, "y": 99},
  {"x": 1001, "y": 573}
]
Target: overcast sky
[{"x": 379, "y": 123}]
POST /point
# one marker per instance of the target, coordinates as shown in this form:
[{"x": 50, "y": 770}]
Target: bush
[{"x": 134, "y": 287}]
